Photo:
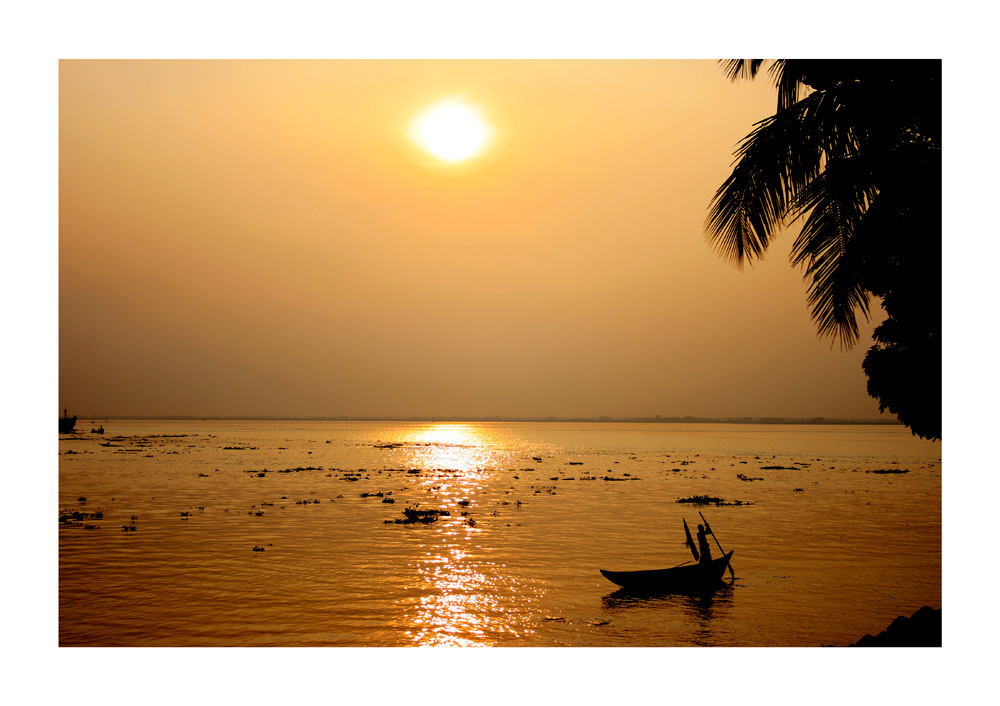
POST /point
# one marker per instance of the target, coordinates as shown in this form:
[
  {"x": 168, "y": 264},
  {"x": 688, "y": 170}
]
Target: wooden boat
[{"x": 679, "y": 579}]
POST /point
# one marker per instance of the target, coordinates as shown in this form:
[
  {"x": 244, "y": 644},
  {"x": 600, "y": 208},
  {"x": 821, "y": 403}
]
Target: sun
[{"x": 452, "y": 131}]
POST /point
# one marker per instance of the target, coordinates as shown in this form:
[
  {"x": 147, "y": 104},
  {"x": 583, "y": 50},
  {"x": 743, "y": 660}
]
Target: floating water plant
[
  {"x": 701, "y": 500},
  {"x": 74, "y": 518},
  {"x": 412, "y": 515}
]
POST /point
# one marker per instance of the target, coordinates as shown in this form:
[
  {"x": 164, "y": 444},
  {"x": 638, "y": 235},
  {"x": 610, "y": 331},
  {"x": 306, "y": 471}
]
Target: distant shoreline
[{"x": 596, "y": 420}]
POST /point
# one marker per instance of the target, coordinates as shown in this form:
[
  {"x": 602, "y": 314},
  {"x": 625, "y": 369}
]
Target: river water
[{"x": 285, "y": 533}]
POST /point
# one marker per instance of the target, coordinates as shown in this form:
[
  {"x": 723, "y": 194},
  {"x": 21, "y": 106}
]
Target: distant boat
[
  {"x": 66, "y": 423},
  {"x": 679, "y": 579}
]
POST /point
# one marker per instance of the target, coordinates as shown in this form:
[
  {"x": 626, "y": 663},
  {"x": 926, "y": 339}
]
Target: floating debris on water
[
  {"x": 701, "y": 500},
  {"x": 888, "y": 470},
  {"x": 74, "y": 518},
  {"x": 711, "y": 500},
  {"x": 412, "y": 515}
]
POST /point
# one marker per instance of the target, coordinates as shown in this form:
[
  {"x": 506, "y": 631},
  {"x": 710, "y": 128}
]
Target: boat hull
[{"x": 693, "y": 577}]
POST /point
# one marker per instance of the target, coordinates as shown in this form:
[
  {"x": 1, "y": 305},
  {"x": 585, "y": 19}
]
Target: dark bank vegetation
[
  {"x": 853, "y": 150},
  {"x": 922, "y": 629}
]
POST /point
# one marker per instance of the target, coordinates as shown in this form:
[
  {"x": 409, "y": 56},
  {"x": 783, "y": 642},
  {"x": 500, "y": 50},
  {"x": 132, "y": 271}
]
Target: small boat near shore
[
  {"x": 66, "y": 423},
  {"x": 678, "y": 579}
]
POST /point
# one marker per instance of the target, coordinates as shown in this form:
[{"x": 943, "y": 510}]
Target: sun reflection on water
[
  {"x": 464, "y": 600},
  {"x": 465, "y": 604},
  {"x": 457, "y": 463},
  {"x": 458, "y": 447}
]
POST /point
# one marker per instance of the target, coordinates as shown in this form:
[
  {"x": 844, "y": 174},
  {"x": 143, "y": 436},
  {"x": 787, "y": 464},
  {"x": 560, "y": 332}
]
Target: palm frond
[
  {"x": 828, "y": 247},
  {"x": 736, "y": 69},
  {"x": 774, "y": 162},
  {"x": 788, "y": 80}
]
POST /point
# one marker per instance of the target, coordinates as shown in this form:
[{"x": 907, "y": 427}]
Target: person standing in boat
[{"x": 706, "y": 554}]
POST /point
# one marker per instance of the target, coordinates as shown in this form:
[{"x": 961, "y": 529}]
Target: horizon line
[{"x": 499, "y": 418}]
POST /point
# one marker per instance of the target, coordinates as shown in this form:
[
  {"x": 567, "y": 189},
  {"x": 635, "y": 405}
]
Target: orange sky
[{"x": 265, "y": 238}]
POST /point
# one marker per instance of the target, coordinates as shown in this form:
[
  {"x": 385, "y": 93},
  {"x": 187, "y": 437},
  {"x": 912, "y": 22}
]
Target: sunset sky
[
  {"x": 266, "y": 238},
  {"x": 272, "y": 238}
]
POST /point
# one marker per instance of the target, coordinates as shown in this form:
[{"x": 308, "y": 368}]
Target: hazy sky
[{"x": 266, "y": 238}]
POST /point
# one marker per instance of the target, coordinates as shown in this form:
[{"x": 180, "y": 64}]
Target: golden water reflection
[
  {"x": 466, "y": 602},
  {"x": 459, "y": 447},
  {"x": 463, "y": 600},
  {"x": 457, "y": 463}
]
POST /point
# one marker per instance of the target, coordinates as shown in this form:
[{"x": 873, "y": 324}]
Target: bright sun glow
[{"x": 452, "y": 131}]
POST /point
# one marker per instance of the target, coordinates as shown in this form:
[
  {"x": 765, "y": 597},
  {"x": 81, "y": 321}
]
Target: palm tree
[{"x": 854, "y": 151}]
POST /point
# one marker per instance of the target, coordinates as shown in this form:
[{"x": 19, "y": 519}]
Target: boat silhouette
[
  {"x": 678, "y": 579},
  {"x": 66, "y": 423}
]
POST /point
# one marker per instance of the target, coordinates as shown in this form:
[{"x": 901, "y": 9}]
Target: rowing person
[{"x": 706, "y": 554}]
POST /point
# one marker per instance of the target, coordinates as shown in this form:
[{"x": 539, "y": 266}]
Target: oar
[
  {"x": 689, "y": 542},
  {"x": 731, "y": 572}
]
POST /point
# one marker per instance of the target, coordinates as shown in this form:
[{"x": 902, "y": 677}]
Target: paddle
[
  {"x": 689, "y": 542},
  {"x": 708, "y": 526}
]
